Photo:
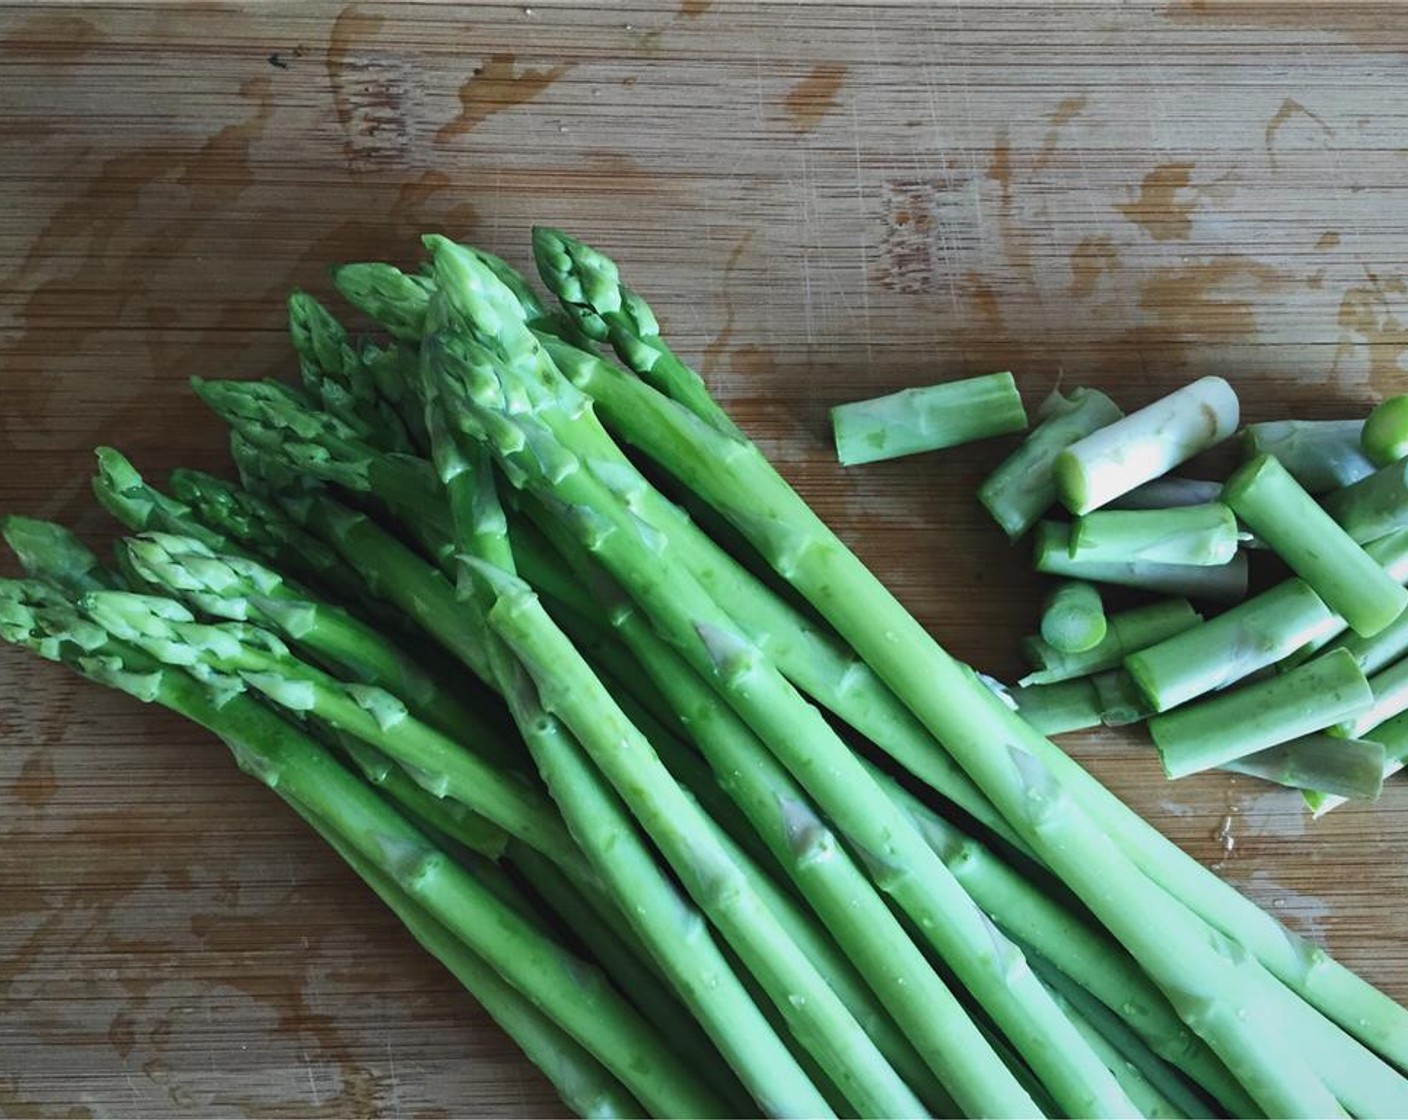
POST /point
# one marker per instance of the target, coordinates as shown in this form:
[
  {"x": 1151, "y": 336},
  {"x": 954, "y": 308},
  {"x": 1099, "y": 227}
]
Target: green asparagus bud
[
  {"x": 48, "y": 551},
  {"x": 395, "y": 299}
]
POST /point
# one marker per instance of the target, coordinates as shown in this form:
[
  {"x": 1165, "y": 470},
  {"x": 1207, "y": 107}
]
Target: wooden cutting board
[{"x": 824, "y": 202}]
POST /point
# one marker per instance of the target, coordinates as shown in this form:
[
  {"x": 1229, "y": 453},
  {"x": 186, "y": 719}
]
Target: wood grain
[{"x": 824, "y": 201}]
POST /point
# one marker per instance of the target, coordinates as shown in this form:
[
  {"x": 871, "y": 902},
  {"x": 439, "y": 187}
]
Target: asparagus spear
[
  {"x": 1279, "y": 511},
  {"x": 1389, "y": 689},
  {"x": 1374, "y": 506},
  {"x": 1332, "y": 765},
  {"x": 1322, "y": 455},
  {"x": 1391, "y": 554},
  {"x": 793, "y": 730},
  {"x": 1022, "y": 488},
  {"x": 48, "y": 551},
  {"x": 401, "y": 298},
  {"x": 570, "y": 991},
  {"x": 1127, "y": 631},
  {"x": 1073, "y": 617},
  {"x": 1380, "y": 651},
  {"x": 1204, "y": 535},
  {"x": 1109, "y": 698},
  {"x": 1169, "y": 492},
  {"x": 736, "y": 479},
  {"x": 1145, "y": 444},
  {"x": 1392, "y": 735},
  {"x": 927, "y": 419},
  {"x": 1220, "y": 583},
  {"x": 1230, "y": 647},
  {"x": 122, "y": 491},
  {"x": 1256, "y": 716},
  {"x": 817, "y": 863},
  {"x": 1385, "y": 435}
]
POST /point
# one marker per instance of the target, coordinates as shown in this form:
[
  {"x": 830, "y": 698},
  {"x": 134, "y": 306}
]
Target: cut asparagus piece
[
  {"x": 1281, "y": 513},
  {"x": 1385, "y": 434},
  {"x": 48, "y": 551},
  {"x": 1380, "y": 651},
  {"x": 1145, "y": 444},
  {"x": 1203, "y": 535},
  {"x": 737, "y": 480},
  {"x": 1391, "y": 553},
  {"x": 1374, "y": 506},
  {"x": 1223, "y": 583},
  {"x": 1022, "y": 488},
  {"x": 1333, "y": 765},
  {"x": 1390, "y": 697},
  {"x": 1260, "y": 715},
  {"x": 1232, "y": 646},
  {"x": 1322, "y": 455},
  {"x": 1111, "y": 699},
  {"x": 927, "y": 419},
  {"x": 1073, "y": 617},
  {"x": 272, "y": 750},
  {"x": 1392, "y": 735},
  {"x": 1169, "y": 492},
  {"x": 1127, "y": 632}
]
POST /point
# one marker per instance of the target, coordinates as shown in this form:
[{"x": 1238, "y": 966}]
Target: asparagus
[
  {"x": 1022, "y": 488},
  {"x": 240, "y": 590},
  {"x": 1385, "y": 435},
  {"x": 1279, "y": 511},
  {"x": 1169, "y": 492},
  {"x": 570, "y": 991},
  {"x": 1073, "y": 617},
  {"x": 927, "y": 419},
  {"x": 392, "y": 369},
  {"x": 1380, "y": 651},
  {"x": 48, "y": 551},
  {"x": 1390, "y": 553},
  {"x": 124, "y": 493},
  {"x": 736, "y": 479},
  {"x": 1110, "y": 698},
  {"x": 1127, "y": 632},
  {"x": 1146, "y": 444},
  {"x": 1389, "y": 688},
  {"x": 1322, "y": 455},
  {"x": 1230, "y": 647},
  {"x": 401, "y": 299},
  {"x": 1332, "y": 765},
  {"x": 1260, "y": 715},
  {"x": 837, "y": 889},
  {"x": 1374, "y": 506},
  {"x": 1392, "y": 735},
  {"x": 1204, "y": 535},
  {"x": 791, "y": 728},
  {"x": 1222, "y": 583}
]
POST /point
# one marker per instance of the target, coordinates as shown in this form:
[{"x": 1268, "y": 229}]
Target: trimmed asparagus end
[{"x": 1385, "y": 434}]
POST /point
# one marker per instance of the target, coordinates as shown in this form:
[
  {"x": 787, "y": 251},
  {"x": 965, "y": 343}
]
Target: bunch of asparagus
[
  {"x": 700, "y": 850},
  {"x": 1319, "y": 661}
]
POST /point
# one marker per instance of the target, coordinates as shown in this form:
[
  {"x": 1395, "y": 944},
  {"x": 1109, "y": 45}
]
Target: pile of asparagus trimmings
[
  {"x": 1320, "y": 659},
  {"x": 586, "y": 751}
]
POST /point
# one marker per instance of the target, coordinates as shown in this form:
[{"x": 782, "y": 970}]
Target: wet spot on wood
[
  {"x": 57, "y": 38},
  {"x": 814, "y": 96},
  {"x": 719, "y": 343},
  {"x": 375, "y": 92},
  {"x": 1373, "y": 322},
  {"x": 36, "y": 784},
  {"x": 497, "y": 85},
  {"x": 1091, "y": 259},
  {"x": 1065, "y": 112},
  {"x": 1327, "y": 240},
  {"x": 1208, "y": 299},
  {"x": 1290, "y": 109},
  {"x": 1163, "y": 209},
  {"x": 693, "y": 9},
  {"x": 1000, "y": 166}
]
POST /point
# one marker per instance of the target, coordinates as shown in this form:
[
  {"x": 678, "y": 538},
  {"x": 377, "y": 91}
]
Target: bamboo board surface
[{"x": 824, "y": 202}]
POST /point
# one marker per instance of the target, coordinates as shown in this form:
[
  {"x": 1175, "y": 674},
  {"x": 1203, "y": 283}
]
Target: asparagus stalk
[
  {"x": 1022, "y": 488},
  {"x": 1169, "y": 492},
  {"x": 1390, "y": 553},
  {"x": 1380, "y": 651},
  {"x": 580, "y": 1080},
  {"x": 123, "y": 492},
  {"x": 736, "y": 479},
  {"x": 1389, "y": 688},
  {"x": 1385, "y": 435},
  {"x": 570, "y": 991},
  {"x": 1127, "y": 631},
  {"x": 1322, "y": 455},
  {"x": 637, "y": 554},
  {"x": 1374, "y": 506},
  {"x": 837, "y": 889},
  {"x": 1204, "y": 535},
  {"x": 1279, "y": 511},
  {"x": 927, "y": 419},
  {"x": 1110, "y": 698},
  {"x": 1145, "y": 444},
  {"x": 1230, "y": 647},
  {"x": 1260, "y": 715},
  {"x": 1221, "y": 583},
  {"x": 400, "y": 299},
  {"x": 1073, "y": 617},
  {"x": 48, "y": 551},
  {"x": 1392, "y": 735},
  {"x": 1344, "y": 767}
]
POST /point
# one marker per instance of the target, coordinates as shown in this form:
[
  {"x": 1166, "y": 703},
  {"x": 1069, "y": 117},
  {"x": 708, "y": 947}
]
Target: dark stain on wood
[
  {"x": 1092, "y": 258},
  {"x": 1327, "y": 240},
  {"x": 1162, "y": 210},
  {"x": 1290, "y": 108},
  {"x": 57, "y": 38},
  {"x": 1066, "y": 111},
  {"x": 709, "y": 362},
  {"x": 1368, "y": 318},
  {"x": 375, "y": 92},
  {"x": 494, "y": 86},
  {"x": 808, "y": 102},
  {"x": 1208, "y": 299},
  {"x": 693, "y": 9},
  {"x": 37, "y": 783}
]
